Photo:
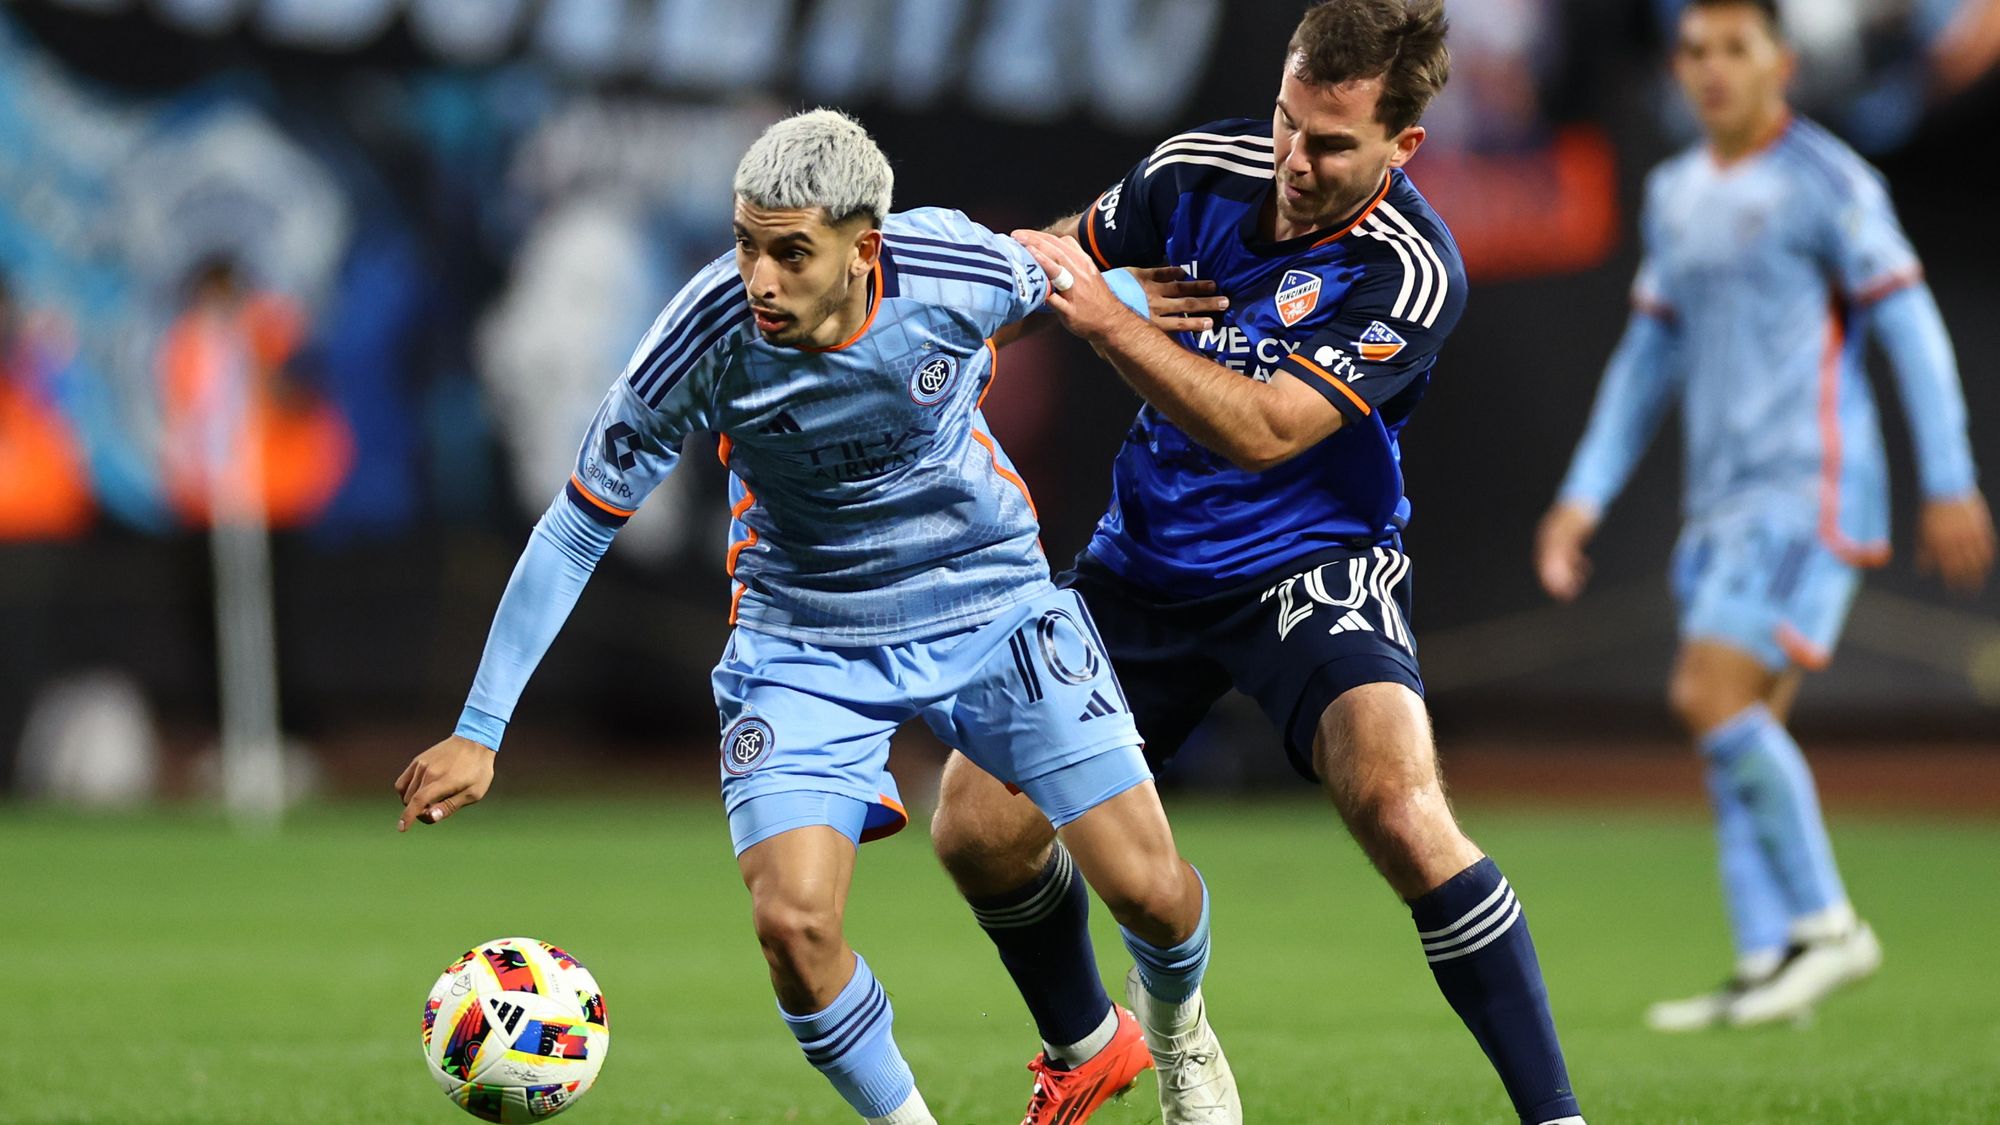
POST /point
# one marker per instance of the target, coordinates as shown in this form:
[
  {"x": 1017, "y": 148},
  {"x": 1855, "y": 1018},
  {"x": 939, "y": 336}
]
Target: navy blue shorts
[{"x": 1294, "y": 641}]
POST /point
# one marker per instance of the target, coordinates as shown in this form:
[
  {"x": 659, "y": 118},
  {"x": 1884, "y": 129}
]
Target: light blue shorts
[
  {"x": 1029, "y": 697},
  {"x": 1764, "y": 583}
]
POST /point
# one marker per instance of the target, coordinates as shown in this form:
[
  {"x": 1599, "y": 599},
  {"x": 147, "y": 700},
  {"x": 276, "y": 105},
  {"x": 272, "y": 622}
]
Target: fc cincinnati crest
[
  {"x": 1380, "y": 343},
  {"x": 1298, "y": 296},
  {"x": 931, "y": 381},
  {"x": 746, "y": 746}
]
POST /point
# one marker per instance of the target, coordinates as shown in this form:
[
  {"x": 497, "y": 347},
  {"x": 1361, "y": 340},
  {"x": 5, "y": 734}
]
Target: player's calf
[
  {"x": 1375, "y": 755},
  {"x": 1375, "y": 759},
  {"x": 1026, "y": 894},
  {"x": 830, "y": 1000}
]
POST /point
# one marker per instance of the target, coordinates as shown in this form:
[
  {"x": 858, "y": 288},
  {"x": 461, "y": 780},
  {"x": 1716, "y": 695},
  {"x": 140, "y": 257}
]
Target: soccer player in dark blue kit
[{"x": 1253, "y": 540}]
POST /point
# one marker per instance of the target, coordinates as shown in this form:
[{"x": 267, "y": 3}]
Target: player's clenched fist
[{"x": 442, "y": 780}]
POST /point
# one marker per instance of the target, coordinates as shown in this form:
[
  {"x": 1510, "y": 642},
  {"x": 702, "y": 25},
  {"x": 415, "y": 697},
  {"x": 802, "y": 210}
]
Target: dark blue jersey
[{"x": 1357, "y": 311}]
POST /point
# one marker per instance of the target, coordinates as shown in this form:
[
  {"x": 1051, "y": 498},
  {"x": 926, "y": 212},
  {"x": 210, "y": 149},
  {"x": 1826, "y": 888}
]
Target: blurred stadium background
[{"x": 425, "y": 233}]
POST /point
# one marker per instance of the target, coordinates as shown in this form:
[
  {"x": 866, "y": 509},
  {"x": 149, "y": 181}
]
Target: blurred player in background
[
  {"x": 886, "y": 565},
  {"x": 1254, "y": 539},
  {"x": 1771, "y": 254}
]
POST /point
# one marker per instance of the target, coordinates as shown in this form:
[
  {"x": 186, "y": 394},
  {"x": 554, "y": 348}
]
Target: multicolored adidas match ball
[{"x": 515, "y": 1030}]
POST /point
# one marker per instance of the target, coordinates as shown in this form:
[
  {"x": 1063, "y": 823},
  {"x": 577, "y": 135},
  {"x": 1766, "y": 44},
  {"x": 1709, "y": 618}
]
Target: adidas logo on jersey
[
  {"x": 1352, "y": 622},
  {"x": 1098, "y": 708}
]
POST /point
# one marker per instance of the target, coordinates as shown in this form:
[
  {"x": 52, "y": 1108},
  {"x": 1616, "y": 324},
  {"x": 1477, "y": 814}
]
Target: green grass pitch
[{"x": 165, "y": 969}]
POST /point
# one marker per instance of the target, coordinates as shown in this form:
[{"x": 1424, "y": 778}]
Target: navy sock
[
  {"x": 1477, "y": 943},
  {"x": 1043, "y": 934}
]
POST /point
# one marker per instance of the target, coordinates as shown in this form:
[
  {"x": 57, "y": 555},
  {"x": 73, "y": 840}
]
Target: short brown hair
[
  {"x": 1400, "y": 42},
  {"x": 1766, "y": 8}
]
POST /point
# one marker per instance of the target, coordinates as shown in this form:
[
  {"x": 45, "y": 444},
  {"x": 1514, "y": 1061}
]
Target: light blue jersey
[
  {"x": 885, "y": 553},
  {"x": 1761, "y": 280},
  {"x": 870, "y": 501}
]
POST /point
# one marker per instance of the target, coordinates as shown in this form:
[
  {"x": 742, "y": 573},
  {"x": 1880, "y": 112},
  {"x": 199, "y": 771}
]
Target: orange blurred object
[
  {"x": 227, "y": 409},
  {"x": 44, "y": 485}
]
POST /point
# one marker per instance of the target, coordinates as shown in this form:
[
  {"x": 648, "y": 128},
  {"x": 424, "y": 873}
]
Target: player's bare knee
[
  {"x": 1402, "y": 820},
  {"x": 1159, "y": 901},
  {"x": 989, "y": 844},
  {"x": 795, "y": 938},
  {"x": 989, "y": 863}
]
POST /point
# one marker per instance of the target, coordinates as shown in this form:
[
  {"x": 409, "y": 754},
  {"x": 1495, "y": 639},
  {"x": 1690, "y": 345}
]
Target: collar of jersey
[
  {"x": 874, "y": 306},
  {"x": 1311, "y": 240}
]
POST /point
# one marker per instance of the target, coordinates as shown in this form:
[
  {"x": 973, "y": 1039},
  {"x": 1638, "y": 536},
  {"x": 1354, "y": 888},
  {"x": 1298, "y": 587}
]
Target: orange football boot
[{"x": 1069, "y": 1097}]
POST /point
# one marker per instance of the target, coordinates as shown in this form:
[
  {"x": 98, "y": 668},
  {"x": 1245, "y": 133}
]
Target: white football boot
[
  {"x": 1697, "y": 1013},
  {"x": 1811, "y": 971},
  {"x": 1196, "y": 1086}
]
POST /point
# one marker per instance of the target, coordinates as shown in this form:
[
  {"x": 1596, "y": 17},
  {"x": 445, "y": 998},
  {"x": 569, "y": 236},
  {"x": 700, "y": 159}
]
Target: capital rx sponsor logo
[
  {"x": 931, "y": 381},
  {"x": 746, "y": 746},
  {"x": 1380, "y": 343},
  {"x": 621, "y": 445},
  {"x": 1298, "y": 296}
]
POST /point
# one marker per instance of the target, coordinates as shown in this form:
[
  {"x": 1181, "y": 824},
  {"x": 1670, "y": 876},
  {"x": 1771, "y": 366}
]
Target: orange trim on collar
[
  {"x": 1365, "y": 212},
  {"x": 874, "y": 306}
]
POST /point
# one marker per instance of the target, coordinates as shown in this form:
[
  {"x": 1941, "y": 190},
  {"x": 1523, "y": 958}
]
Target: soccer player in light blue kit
[
  {"x": 1771, "y": 255},
  {"x": 886, "y": 567}
]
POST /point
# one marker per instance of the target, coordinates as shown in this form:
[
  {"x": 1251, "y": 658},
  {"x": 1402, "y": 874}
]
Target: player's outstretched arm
[
  {"x": 1955, "y": 530},
  {"x": 1255, "y": 425},
  {"x": 442, "y": 780}
]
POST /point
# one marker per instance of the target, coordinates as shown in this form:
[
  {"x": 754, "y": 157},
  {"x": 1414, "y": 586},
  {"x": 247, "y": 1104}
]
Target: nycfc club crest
[
  {"x": 746, "y": 746},
  {"x": 1379, "y": 344},
  {"x": 931, "y": 381},
  {"x": 1298, "y": 296}
]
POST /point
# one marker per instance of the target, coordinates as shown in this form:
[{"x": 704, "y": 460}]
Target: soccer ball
[{"x": 515, "y": 1030}]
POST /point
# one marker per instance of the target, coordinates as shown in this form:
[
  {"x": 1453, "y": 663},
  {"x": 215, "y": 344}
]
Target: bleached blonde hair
[{"x": 820, "y": 158}]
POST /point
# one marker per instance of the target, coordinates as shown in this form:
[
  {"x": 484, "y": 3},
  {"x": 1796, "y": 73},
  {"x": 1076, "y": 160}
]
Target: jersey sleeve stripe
[
  {"x": 1429, "y": 251},
  {"x": 1245, "y": 140},
  {"x": 684, "y": 328},
  {"x": 1309, "y": 366},
  {"x": 591, "y": 506},
  {"x": 911, "y": 240},
  {"x": 1262, "y": 172},
  {"x": 912, "y": 270},
  {"x": 1413, "y": 266},
  {"x": 687, "y": 361},
  {"x": 674, "y": 322},
  {"x": 1180, "y": 146},
  {"x": 974, "y": 264}
]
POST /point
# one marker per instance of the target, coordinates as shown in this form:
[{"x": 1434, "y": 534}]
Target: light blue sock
[
  {"x": 1174, "y": 974},
  {"x": 1760, "y": 767},
  {"x": 850, "y": 1043},
  {"x": 1758, "y": 917}
]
